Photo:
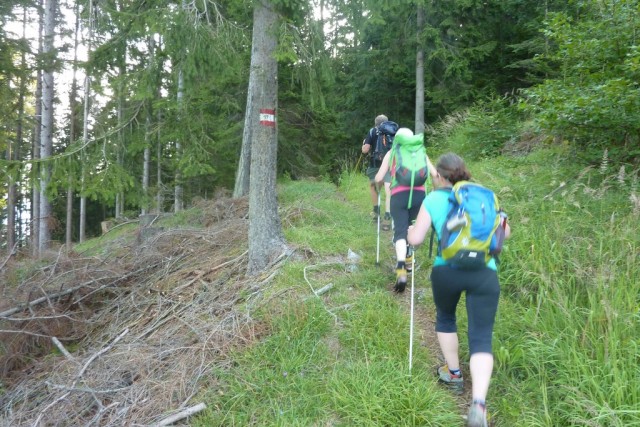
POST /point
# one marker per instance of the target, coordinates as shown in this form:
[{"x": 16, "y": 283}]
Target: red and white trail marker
[{"x": 267, "y": 117}]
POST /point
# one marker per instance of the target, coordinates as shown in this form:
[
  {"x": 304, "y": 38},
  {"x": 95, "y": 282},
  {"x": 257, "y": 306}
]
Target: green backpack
[{"x": 408, "y": 162}]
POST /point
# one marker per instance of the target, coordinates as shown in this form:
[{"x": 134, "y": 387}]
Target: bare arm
[
  {"x": 418, "y": 230},
  {"x": 384, "y": 168},
  {"x": 432, "y": 169},
  {"x": 365, "y": 147}
]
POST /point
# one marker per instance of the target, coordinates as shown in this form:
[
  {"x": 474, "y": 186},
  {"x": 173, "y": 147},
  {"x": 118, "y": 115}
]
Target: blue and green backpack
[{"x": 472, "y": 233}]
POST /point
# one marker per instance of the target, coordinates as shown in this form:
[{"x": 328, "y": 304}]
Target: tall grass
[
  {"x": 566, "y": 339},
  {"x": 567, "y": 336}
]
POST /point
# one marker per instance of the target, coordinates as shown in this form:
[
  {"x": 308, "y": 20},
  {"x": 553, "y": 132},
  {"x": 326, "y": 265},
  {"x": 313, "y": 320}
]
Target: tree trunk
[
  {"x": 146, "y": 166},
  {"x": 120, "y": 147},
  {"x": 241, "y": 187},
  {"x": 46, "y": 144},
  {"x": 420, "y": 72},
  {"x": 266, "y": 241},
  {"x": 159, "y": 195},
  {"x": 11, "y": 198},
  {"x": 178, "y": 192},
  {"x": 11, "y": 153},
  {"x": 35, "y": 194},
  {"x": 85, "y": 134},
  {"x": 72, "y": 129}
]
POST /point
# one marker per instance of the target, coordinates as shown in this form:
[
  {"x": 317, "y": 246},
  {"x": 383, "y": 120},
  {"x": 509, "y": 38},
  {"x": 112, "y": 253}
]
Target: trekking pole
[
  {"x": 378, "y": 232},
  {"x": 413, "y": 269}
]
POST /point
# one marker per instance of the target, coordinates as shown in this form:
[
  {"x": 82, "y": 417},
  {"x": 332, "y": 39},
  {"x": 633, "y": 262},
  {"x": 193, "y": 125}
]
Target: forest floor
[{"x": 127, "y": 332}]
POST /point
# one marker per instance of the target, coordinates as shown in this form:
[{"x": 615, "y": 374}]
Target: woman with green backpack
[
  {"x": 410, "y": 172},
  {"x": 449, "y": 280}
]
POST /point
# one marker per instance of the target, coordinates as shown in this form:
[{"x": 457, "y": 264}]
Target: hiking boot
[
  {"x": 456, "y": 382},
  {"x": 477, "y": 415},
  {"x": 401, "y": 280},
  {"x": 374, "y": 216}
]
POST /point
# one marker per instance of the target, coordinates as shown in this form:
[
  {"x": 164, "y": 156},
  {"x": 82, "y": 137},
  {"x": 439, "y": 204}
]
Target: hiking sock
[
  {"x": 400, "y": 265},
  {"x": 387, "y": 216},
  {"x": 455, "y": 372}
]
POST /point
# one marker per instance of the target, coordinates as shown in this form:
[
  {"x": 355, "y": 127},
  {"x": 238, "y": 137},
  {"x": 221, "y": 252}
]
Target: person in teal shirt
[{"x": 481, "y": 288}]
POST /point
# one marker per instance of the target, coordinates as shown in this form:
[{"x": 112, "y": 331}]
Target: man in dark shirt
[{"x": 368, "y": 147}]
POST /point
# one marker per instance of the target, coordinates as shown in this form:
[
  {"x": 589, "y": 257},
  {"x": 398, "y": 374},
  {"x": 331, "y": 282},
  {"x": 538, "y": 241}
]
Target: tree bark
[
  {"x": 266, "y": 241},
  {"x": 419, "y": 126},
  {"x": 120, "y": 148},
  {"x": 46, "y": 144},
  {"x": 85, "y": 134},
  {"x": 72, "y": 129},
  {"x": 241, "y": 187},
  {"x": 146, "y": 166},
  {"x": 35, "y": 194},
  {"x": 178, "y": 192}
]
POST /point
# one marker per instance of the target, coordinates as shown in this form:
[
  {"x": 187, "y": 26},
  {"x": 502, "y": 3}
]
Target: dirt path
[{"x": 424, "y": 327}]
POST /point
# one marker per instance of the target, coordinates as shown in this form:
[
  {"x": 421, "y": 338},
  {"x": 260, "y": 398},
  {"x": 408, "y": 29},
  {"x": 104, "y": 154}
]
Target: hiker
[
  {"x": 482, "y": 290},
  {"x": 406, "y": 199},
  {"x": 372, "y": 145}
]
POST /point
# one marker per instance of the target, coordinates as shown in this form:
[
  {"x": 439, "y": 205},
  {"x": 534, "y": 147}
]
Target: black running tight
[{"x": 482, "y": 292}]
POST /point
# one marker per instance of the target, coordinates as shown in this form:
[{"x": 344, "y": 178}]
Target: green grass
[
  {"x": 566, "y": 338},
  {"x": 341, "y": 359},
  {"x": 567, "y": 343}
]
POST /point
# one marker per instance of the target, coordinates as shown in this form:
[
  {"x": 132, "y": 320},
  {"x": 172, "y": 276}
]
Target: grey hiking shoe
[
  {"x": 456, "y": 382},
  {"x": 477, "y": 415}
]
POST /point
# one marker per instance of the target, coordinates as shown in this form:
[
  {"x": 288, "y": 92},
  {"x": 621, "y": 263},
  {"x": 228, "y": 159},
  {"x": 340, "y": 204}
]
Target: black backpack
[{"x": 385, "y": 133}]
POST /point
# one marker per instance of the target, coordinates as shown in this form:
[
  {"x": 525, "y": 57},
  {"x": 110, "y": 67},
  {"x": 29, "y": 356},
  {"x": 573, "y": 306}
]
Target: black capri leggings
[
  {"x": 482, "y": 292},
  {"x": 403, "y": 217}
]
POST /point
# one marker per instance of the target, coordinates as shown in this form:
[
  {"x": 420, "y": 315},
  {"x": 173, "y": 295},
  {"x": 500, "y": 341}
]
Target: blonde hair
[{"x": 381, "y": 118}]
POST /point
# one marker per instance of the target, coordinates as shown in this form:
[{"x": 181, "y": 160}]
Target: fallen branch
[
  {"x": 79, "y": 376},
  {"x": 208, "y": 271},
  {"x": 58, "y": 295},
  {"x": 62, "y": 349},
  {"x": 11, "y": 253},
  {"x": 181, "y": 415},
  {"x": 85, "y": 389},
  {"x": 45, "y": 298}
]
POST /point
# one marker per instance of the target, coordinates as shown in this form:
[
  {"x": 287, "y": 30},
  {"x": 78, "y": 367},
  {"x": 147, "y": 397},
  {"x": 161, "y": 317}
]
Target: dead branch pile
[{"x": 135, "y": 334}]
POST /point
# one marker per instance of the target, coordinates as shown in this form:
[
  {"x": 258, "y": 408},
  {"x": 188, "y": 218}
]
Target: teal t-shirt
[{"x": 437, "y": 205}]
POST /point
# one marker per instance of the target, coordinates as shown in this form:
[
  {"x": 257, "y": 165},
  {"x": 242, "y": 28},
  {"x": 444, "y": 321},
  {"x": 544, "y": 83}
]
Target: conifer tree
[
  {"x": 47, "y": 125},
  {"x": 265, "y": 230}
]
